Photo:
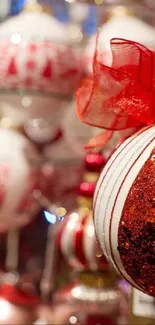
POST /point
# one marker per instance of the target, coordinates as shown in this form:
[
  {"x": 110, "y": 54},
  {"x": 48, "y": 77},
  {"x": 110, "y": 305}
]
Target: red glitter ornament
[
  {"x": 116, "y": 98},
  {"x": 124, "y": 210}
]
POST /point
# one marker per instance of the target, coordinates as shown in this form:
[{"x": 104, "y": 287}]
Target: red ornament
[
  {"x": 77, "y": 242},
  {"x": 94, "y": 162},
  {"x": 123, "y": 96},
  {"x": 87, "y": 189}
]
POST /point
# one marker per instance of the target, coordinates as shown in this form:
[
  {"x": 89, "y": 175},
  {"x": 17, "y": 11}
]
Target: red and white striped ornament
[
  {"x": 124, "y": 209},
  {"x": 19, "y": 171},
  {"x": 77, "y": 241}
]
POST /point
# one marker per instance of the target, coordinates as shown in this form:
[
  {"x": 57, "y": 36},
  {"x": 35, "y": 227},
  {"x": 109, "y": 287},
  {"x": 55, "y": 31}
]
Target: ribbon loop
[{"x": 120, "y": 96}]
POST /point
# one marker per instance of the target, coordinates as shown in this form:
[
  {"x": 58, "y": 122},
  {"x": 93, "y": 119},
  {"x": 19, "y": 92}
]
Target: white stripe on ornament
[
  {"x": 74, "y": 261},
  {"x": 89, "y": 243},
  {"x": 67, "y": 243},
  {"x": 109, "y": 163}
]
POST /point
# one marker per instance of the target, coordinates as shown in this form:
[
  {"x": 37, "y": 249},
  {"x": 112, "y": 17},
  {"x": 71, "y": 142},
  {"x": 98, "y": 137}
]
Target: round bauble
[
  {"x": 19, "y": 177},
  {"x": 124, "y": 210},
  {"x": 39, "y": 72},
  {"x": 77, "y": 242},
  {"x": 125, "y": 27}
]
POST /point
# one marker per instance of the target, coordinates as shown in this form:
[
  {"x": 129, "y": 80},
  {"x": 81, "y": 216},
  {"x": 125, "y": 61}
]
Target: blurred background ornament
[
  {"x": 39, "y": 71},
  {"x": 121, "y": 23}
]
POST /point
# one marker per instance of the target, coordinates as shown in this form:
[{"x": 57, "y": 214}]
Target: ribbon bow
[{"x": 121, "y": 96}]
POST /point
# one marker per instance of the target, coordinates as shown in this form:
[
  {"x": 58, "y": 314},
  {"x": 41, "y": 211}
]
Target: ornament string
[{"x": 119, "y": 97}]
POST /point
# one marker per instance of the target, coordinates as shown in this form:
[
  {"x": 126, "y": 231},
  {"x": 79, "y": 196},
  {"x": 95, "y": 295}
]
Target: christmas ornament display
[
  {"x": 123, "y": 203},
  {"x": 19, "y": 177},
  {"x": 120, "y": 25},
  {"x": 39, "y": 71}
]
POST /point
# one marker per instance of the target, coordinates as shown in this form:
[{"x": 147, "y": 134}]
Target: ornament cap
[
  {"x": 84, "y": 202},
  {"x": 119, "y": 11},
  {"x": 34, "y": 6},
  {"x": 103, "y": 279}
]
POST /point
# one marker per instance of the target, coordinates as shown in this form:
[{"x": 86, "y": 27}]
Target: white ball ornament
[
  {"x": 19, "y": 174},
  {"x": 124, "y": 210},
  {"x": 39, "y": 72},
  {"x": 126, "y": 27}
]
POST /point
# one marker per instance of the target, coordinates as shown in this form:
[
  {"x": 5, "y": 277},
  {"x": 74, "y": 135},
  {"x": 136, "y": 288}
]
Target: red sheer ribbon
[{"x": 120, "y": 96}]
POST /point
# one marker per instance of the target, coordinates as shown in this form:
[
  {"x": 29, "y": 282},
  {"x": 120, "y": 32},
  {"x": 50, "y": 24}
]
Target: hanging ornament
[
  {"x": 124, "y": 200},
  {"x": 121, "y": 24},
  {"x": 19, "y": 177},
  {"x": 77, "y": 242},
  {"x": 39, "y": 71},
  {"x": 76, "y": 236}
]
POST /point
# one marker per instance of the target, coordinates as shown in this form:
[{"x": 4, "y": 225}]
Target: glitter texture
[{"x": 136, "y": 236}]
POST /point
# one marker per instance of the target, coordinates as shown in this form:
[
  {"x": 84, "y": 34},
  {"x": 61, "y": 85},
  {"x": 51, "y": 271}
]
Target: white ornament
[
  {"x": 39, "y": 72},
  {"x": 127, "y": 27},
  {"x": 78, "y": 12},
  {"x": 67, "y": 243}
]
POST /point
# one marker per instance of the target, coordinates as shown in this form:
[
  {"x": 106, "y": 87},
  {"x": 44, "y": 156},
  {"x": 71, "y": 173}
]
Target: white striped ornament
[
  {"x": 112, "y": 191},
  {"x": 18, "y": 179},
  {"x": 68, "y": 241}
]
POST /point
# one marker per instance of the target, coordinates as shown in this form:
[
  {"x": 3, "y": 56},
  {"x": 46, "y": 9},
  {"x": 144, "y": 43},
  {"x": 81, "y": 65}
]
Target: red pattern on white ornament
[{"x": 44, "y": 66}]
